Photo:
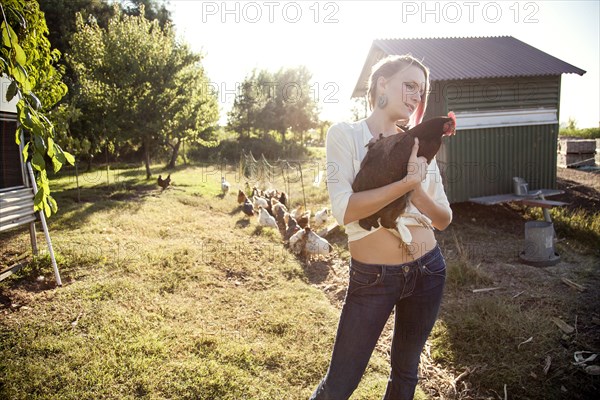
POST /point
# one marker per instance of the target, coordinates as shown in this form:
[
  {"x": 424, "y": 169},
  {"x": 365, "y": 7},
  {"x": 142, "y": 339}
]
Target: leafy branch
[{"x": 28, "y": 61}]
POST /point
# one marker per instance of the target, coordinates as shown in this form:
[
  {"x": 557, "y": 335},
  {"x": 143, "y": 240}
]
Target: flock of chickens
[{"x": 270, "y": 208}]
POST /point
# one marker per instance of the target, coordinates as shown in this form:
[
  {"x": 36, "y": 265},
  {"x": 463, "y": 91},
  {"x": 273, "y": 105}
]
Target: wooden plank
[
  {"x": 496, "y": 199},
  {"x": 543, "y": 203},
  {"x": 15, "y": 191},
  {"x": 24, "y": 205},
  {"x": 16, "y": 214},
  {"x": 12, "y": 188},
  {"x": 16, "y": 223},
  {"x": 576, "y": 146},
  {"x": 572, "y": 160},
  {"x": 11, "y": 270},
  {"x": 505, "y": 198},
  {"x": 8, "y": 197},
  {"x": 21, "y": 203}
]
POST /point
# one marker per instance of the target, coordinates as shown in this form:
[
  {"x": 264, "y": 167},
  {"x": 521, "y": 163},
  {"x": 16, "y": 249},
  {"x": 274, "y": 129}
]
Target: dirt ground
[{"x": 493, "y": 238}]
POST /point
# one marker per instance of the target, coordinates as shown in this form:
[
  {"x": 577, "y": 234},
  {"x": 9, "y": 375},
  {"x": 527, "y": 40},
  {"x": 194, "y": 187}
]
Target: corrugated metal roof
[{"x": 457, "y": 58}]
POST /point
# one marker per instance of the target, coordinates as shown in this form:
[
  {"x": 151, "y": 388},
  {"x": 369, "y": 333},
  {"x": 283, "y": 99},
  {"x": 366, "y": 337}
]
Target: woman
[{"x": 383, "y": 274}]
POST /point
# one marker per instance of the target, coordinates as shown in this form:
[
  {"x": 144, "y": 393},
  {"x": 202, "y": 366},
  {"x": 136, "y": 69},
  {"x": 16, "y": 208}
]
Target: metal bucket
[
  {"x": 520, "y": 186},
  {"x": 539, "y": 244}
]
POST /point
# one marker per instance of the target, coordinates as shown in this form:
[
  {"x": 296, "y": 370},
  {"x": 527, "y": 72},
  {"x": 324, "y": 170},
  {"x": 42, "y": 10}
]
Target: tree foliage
[
  {"x": 191, "y": 113},
  {"x": 78, "y": 117},
  {"x": 29, "y": 62},
  {"x": 61, "y": 20},
  {"x": 130, "y": 75},
  {"x": 282, "y": 101}
]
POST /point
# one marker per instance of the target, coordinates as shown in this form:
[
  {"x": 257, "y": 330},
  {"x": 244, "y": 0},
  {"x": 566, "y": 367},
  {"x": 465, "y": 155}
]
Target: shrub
[
  {"x": 586, "y": 133},
  {"x": 232, "y": 149}
]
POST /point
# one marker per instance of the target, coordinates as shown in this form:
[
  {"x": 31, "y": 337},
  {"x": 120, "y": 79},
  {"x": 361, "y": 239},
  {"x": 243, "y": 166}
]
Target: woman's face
[{"x": 404, "y": 91}]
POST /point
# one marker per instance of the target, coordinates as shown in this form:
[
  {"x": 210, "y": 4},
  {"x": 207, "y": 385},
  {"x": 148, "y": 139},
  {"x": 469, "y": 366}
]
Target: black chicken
[
  {"x": 248, "y": 208},
  {"x": 386, "y": 161},
  {"x": 164, "y": 183}
]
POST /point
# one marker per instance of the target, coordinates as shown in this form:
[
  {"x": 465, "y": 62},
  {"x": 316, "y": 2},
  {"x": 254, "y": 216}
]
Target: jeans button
[{"x": 405, "y": 268}]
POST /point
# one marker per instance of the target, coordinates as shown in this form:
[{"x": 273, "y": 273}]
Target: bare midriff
[{"x": 383, "y": 247}]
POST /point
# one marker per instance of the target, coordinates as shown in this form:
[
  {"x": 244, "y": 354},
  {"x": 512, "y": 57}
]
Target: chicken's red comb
[{"x": 451, "y": 115}]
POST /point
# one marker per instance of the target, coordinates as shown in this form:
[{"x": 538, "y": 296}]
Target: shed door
[{"x": 10, "y": 159}]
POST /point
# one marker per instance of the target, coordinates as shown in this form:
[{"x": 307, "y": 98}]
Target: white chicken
[
  {"x": 297, "y": 241},
  {"x": 259, "y": 202},
  {"x": 266, "y": 219},
  {"x": 224, "y": 185},
  {"x": 316, "y": 245},
  {"x": 321, "y": 216},
  {"x": 270, "y": 193},
  {"x": 305, "y": 241}
]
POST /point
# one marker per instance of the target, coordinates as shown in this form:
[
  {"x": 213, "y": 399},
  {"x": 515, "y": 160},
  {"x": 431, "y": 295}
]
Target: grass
[
  {"x": 166, "y": 295},
  {"x": 178, "y": 295},
  {"x": 580, "y": 224},
  {"x": 586, "y": 133}
]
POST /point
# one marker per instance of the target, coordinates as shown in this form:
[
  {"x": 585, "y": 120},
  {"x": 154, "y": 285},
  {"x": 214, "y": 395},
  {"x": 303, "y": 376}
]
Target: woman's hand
[
  {"x": 440, "y": 218},
  {"x": 416, "y": 167}
]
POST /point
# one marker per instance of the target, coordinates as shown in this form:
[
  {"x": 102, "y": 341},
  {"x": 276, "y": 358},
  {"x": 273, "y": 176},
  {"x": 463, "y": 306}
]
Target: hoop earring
[{"x": 382, "y": 101}]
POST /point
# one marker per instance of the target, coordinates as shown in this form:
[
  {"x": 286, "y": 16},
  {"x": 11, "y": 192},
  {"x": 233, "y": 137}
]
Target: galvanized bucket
[{"x": 539, "y": 244}]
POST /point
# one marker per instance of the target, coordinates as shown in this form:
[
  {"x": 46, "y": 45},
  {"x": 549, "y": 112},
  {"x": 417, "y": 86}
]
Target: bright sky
[{"x": 333, "y": 38}]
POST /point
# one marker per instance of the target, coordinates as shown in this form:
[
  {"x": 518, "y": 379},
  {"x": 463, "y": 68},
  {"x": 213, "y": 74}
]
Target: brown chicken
[
  {"x": 164, "y": 183},
  {"x": 387, "y": 161},
  {"x": 241, "y": 198}
]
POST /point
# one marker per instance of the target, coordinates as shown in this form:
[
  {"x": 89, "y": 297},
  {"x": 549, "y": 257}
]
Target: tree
[
  {"x": 151, "y": 9},
  {"x": 78, "y": 118},
  {"x": 245, "y": 115},
  {"x": 29, "y": 62},
  {"x": 192, "y": 111},
  {"x": 275, "y": 102},
  {"x": 359, "y": 109},
  {"x": 61, "y": 16},
  {"x": 125, "y": 72}
]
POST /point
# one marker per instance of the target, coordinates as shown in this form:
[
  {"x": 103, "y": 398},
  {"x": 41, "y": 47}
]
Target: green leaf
[
  {"x": 38, "y": 162},
  {"x": 19, "y": 74},
  {"x": 12, "y": 90},
  {"x": 20, "y": 54},
  {"x": 69, "y": 157},
  {"x": 51, "y": 147},
  {"x": 8, "y": 35},
  {"x": 47, "y": 209},
  {"x": 44, "y": 182},
  {"x": 26, "y": 152},
  {"x": 56, "y": 164},
  {"x": 40, "y": 145},
  {"x": 53, "y": 204},
  {"x": 37, "y": 200},
  {"x": 18, "y": 135},
  {"x": 37, "y": 104}
]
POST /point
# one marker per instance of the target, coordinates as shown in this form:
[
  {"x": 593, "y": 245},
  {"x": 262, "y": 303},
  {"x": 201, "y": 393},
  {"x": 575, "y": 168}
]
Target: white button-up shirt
[{"x": 345, "y": 149}]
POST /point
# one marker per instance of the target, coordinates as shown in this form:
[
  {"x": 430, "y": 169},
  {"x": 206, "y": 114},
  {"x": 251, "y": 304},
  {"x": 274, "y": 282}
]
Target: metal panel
[
  {"x": 470, "y": 58},
  {"x": 495, "y": 94},
  {"x": 482, "y": 162}
]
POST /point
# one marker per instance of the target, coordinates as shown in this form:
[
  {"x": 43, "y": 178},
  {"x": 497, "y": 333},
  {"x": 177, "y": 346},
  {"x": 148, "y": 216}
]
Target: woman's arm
[
  {"x": 365, "y": 203},
  {"x": 439, "y": 215},
  {"x": 432, "y": 201}
]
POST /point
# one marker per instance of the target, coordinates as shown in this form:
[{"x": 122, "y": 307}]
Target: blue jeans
[{"x": 415, "y": 289}]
